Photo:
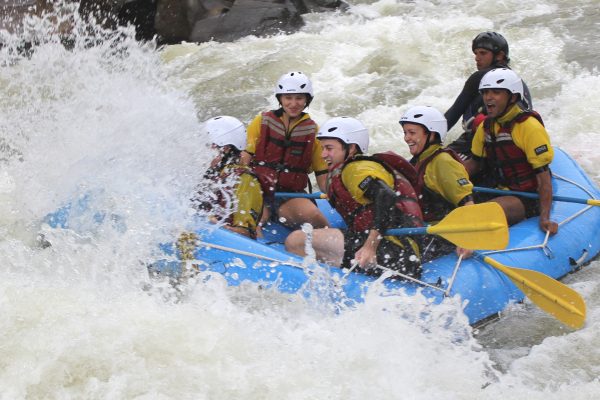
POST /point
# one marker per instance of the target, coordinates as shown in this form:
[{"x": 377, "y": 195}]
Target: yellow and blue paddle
[
  {"x": 478, "y": 226},
  {"x": 483, "y": 226},
  {"x": 591, "y": 202}
]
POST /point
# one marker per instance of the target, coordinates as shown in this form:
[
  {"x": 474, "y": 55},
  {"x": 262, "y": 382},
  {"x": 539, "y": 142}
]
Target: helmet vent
[
  {"x": 332, "y": 129},
  {"x": 418, "y": 115},
  {"x": 303, "y": 86},
  {"x": 500, "y": 81}
]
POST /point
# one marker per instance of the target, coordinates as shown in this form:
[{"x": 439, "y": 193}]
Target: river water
[{"x": 121, "y": 121}]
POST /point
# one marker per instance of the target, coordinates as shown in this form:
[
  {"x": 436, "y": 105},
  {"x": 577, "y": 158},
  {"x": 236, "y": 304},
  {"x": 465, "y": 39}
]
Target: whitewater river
[{"x": 121, "y": 121}]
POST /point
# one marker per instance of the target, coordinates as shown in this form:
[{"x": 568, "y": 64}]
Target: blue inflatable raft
[{"x": 487, "y": 290}]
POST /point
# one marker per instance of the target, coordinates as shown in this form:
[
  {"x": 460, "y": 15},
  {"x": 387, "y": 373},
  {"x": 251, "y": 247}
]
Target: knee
[
  {"x": 294, "y": 243},
  {"x": 319, "y": 220}
]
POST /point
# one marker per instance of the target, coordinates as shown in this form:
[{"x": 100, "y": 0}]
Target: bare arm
[
  {"x": 366, "y": 256},
  {"x": 465, "y": 99},
  {"x": 245, "y": 158},
  {"x": 544, "y": 182},
  {"x": 472, "y": 166},
  {"x": 322, "y": 182},
  {"x": 384, "y": 200}
]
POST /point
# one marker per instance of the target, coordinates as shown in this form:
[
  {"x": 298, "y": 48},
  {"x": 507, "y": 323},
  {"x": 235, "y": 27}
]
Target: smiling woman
[
  {"x": 442, "y": 181},
  {"x": 283, "y": 149}
]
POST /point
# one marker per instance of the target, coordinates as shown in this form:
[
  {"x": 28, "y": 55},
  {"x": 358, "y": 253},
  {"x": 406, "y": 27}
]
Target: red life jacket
[
  {"x": 283, "y": 159},
  {"x": 509, "y": 163},
  {"x": 359, "y": 217},
  {"x": 433, "y": 205}
]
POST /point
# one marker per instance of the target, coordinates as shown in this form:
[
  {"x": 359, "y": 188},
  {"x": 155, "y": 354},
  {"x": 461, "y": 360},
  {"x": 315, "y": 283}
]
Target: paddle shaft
[
  {"x": 289, "y": 195},
  {"x": 434, "y": 229},
  {"x": 591, "y": 202}
]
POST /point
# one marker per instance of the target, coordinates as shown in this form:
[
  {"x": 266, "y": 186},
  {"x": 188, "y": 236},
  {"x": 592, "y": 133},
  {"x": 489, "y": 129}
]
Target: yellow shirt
[
  {"x": 446, "y": 176},
  {"x": 529, "y": 135},
  {"x": 318, "y": 164},
  {"x": 356, "y": 172}
]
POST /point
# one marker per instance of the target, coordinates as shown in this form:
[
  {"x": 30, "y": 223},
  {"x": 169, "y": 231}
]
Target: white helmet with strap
[
  {"x": 502, "y": 78},
  {"x": 294, "y": 82},
  {"x": 348, "y": 130},
  {"x": 224, "y": 130},
  {"x": 428, "y": 117}
]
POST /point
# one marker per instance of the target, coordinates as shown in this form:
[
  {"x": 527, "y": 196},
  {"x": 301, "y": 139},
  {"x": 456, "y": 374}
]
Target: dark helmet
[{"x": 491, "y": 41}]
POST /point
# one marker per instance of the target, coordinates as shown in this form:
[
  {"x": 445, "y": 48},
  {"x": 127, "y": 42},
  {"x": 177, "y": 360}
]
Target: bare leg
[
  {"x": 238, "y": 229},
  {"x": 298, "y": 211},
  {"x": 513, "y": 208},
  {"x": 266, "y": 214},
  {"x": 328, "y": 244}
]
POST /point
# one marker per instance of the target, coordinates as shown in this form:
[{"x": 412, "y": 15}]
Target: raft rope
[
  {"x": 302, "y": 266},
  {"x": 249, "y": 254}
]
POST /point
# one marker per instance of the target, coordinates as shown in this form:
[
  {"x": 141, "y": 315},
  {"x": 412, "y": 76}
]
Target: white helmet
[
  {"x": 348, "y": 130},
  {"x": 502, "y": 78},
  {"x": 428, "y": 117},
  {"x": 224, "y": 130},
  {"x": 294, "y": 82}
]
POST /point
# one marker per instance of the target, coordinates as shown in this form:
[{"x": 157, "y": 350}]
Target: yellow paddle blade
[
  {"x": 478, "y": 226},
  {"x": 593, "y": 202},
  {"x": 555, "y": 298}
]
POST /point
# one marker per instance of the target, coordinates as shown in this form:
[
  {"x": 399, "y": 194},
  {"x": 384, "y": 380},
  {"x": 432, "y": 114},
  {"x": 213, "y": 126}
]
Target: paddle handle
[
  {"x": 591, "y": 202},
  {"x": 288, "y": 195},
  {"x": 406, "y": 231}
]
